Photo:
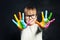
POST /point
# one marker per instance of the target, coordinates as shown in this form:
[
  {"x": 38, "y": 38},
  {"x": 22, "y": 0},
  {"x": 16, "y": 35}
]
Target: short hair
[{"x": 30, "y": 7}]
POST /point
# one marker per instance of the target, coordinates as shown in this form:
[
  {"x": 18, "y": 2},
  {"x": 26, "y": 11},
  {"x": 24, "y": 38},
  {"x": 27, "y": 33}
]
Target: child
[
  {"x": 29, "y": 33},
  {"x": 33, "y": 30}
]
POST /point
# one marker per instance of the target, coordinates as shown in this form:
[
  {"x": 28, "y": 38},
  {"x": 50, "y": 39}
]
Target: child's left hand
[{"x": 45, "y": 21}]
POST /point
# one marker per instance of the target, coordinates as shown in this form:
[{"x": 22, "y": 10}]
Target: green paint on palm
[
  {"x": 21, "y": 25},
  {"x": 46, "y": 20}
]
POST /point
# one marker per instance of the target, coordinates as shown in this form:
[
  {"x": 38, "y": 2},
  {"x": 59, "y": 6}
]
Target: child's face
[{"x": 30, "y": 16}]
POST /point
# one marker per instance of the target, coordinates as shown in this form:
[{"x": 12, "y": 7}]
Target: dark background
[{"x": 9, "y": 31}]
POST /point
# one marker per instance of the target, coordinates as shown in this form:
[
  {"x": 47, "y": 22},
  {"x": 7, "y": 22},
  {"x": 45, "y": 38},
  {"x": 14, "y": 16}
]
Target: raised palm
[
  {"x": 45, "y": 20},
  {"x": 19, "y": 22}
]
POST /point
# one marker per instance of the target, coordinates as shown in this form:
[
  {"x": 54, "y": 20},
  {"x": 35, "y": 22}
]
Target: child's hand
[
  {"x": 45, "y": 21},
  {"x": 19, "y": 22}
]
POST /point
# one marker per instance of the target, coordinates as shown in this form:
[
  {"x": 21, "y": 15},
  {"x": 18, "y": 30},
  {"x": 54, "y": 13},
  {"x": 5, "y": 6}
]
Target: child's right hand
[{"x": 19, "y": 22}]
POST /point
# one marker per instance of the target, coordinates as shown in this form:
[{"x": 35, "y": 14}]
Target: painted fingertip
[
  {"x": 19, "y": 15},
  {"x": 22, "y": 16},
  {"x": 46, "y": 13},
  {"x": 42, "y": 16},
  {"x": 14, "y": 22},
  {"x": 42, "y": 12},
  {"x": 16, "y": 17},
  {"x": 52, "y": 20},
  {"x": 50, "y": 16}
]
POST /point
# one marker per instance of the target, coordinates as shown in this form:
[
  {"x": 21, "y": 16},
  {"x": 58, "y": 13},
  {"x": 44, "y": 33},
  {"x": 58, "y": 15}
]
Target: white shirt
[{"x": 29, "y": 33}]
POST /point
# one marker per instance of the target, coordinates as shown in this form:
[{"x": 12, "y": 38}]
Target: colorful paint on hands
[
  {"x": 44, "y": 23},
  {"x": 45, "y": 20},
  {"x": 19, "y": 22}
]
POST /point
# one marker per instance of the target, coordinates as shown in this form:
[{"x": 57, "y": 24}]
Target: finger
[
  {"x": 16, "y": 17},
  {"x": 46, "y": 14},
  {"x": 15, "y": 22},
  {"x": 52, "y": 20},
  {"x": 47, "y": 25},
  {"x": 20, "y": 16},
  {"x": 38, "y": 24},
  {"x": 18, "y": 24},
  {"x": 50, "y": 16},
  {"x": 42, "y": 16}
]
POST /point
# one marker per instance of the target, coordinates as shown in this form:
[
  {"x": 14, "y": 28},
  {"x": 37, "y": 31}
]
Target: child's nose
[{"x": 30, "y": 18}]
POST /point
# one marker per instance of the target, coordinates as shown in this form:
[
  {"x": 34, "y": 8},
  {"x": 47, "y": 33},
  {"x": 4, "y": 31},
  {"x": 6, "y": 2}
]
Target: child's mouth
[{"x": 30, "y": 21}]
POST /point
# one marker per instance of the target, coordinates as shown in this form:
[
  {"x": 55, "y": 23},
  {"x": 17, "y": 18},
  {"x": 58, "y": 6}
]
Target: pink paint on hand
[{"x": 47, "y": 25}]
